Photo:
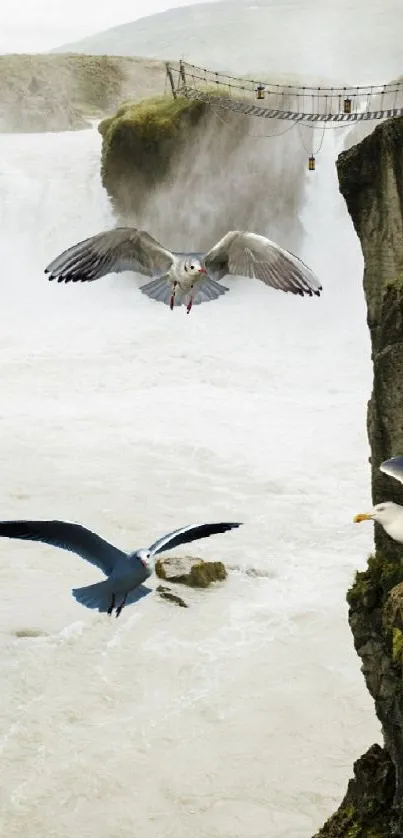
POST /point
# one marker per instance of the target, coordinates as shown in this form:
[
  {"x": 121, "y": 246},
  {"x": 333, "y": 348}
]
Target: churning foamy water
[{"x": 241, "y": 716}]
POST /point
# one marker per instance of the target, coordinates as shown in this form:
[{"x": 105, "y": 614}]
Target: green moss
[
  {"x": 348, "y": 823},
  {"x": 393, "y": 281},
  {"x": 397, "y": 645},
  {"x": 204, "y": 573},
  {"x": 152, "y": 118},
  {"x": 371, "y": 586}
]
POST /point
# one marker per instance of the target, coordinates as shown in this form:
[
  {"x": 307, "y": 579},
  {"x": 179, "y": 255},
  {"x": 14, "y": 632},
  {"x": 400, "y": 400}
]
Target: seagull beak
[{"x": 363, "y": 516}]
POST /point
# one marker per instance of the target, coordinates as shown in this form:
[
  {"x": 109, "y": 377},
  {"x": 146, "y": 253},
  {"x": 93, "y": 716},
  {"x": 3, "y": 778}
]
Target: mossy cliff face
[
  {"x": 371, "y": 181},
  {"x": 188, "y": 172},
  {"x": 140, "y": 144}
]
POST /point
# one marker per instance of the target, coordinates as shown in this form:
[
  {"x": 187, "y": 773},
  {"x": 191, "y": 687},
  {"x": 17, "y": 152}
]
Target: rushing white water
[{"x": 242, "y": 715}]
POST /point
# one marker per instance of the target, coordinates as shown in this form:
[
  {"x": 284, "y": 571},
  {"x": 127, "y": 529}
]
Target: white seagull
[
  {"x": 388, "y": 514},
  {"x": 125, "y": 572},
  {"x": 184, "y": 278}
]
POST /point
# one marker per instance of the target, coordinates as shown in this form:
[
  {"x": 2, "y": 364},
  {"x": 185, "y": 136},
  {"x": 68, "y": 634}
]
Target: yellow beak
[{"x": 363, "y": 516}]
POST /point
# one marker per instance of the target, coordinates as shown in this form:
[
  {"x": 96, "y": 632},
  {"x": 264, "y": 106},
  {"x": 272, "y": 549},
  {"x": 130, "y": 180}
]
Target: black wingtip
[{"x": 230, "y": 525}]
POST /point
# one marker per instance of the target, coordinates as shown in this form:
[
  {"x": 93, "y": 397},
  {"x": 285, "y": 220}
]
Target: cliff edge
[{"x": 371, "y": 181}]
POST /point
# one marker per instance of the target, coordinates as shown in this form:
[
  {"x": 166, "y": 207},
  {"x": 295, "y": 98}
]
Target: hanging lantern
[
  {"x": 260, "y": 91},
  {"x": 311, "y": 163},
  {"x": 347, "y": 105}
]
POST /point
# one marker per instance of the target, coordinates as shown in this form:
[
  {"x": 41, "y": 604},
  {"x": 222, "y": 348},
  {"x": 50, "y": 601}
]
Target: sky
[{"x": 37, "y": 25}]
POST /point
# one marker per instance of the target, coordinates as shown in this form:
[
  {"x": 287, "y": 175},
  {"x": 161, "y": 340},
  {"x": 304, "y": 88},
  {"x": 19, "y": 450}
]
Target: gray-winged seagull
[
  {"x": 125, "y": 572},
  {"x": 184, "y": 278},
  {"x": 388, "y": 514}
]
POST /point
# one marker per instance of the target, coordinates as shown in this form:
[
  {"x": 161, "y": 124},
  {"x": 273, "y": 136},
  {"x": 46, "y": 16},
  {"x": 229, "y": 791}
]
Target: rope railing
[{"x": 268, "y": 100}]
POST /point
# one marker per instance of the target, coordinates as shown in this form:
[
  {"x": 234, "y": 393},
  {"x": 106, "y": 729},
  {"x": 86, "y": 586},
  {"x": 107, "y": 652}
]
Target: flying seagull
[
  {"x": 388, "y": 514},
  {"x": 125, "y": 572},
  {"x": 184, "y": 278}
]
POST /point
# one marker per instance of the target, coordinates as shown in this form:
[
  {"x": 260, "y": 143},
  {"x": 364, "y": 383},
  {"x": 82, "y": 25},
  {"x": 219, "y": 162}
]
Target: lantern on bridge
[{"x": 347, "y": 105}]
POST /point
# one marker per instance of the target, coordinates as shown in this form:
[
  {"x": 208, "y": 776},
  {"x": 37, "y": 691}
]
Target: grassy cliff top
[{"x": 156, "y": 117}]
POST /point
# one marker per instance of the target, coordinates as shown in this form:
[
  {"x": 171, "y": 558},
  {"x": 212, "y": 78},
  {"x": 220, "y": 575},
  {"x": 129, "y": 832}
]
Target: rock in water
[
  {"x": 190, "y": 571},
  {"x": 166, "y": 593}
]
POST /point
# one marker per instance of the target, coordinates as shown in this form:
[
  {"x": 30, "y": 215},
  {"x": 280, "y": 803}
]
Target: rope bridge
[{"x": 305, "y": 104}]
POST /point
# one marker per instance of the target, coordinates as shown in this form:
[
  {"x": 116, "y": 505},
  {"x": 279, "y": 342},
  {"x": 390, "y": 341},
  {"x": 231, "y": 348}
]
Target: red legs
[
  {"x": 112, "y": 605},
  {"x": 172, "y": 302},
  {"x": 122, "y": 605},
  {"x": 190, "y": 303}
]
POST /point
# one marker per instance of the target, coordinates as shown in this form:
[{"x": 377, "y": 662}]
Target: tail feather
[
  {"x": 208, "y": 290},
  {"x": 96, "y": 596},
  {"x": 161, "y": 290},
  {"x": 99, "y": 596}
]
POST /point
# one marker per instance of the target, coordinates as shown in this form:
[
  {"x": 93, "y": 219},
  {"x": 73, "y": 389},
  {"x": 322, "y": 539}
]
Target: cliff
[
  {"x": 188, "y": 172},
  {"x": 59, "y": 92},
  {"x": 371, "y": 181},
  {"x": 140, "y": 144}
]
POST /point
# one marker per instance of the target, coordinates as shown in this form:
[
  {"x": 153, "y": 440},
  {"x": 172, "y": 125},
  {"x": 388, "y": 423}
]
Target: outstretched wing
[
  {"x": 247, "y": 254},
  {"x": 122, "y": 249},
  {"x": 67, "y": 536},
  {"x": 393, "y": 468},
  {"x": 189, "y": 533}
]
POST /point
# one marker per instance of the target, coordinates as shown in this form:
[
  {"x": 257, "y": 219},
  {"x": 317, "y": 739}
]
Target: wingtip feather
[{"x": 393, "y": 468}]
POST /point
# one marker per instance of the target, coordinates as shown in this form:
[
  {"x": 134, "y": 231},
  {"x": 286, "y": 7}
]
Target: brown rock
[{"x": 186, "y": 570}]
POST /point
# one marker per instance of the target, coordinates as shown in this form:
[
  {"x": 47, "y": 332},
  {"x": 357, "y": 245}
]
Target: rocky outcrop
[
  {"x": 365, "y": 810},
  {"x": 186, "y": 570},
  {"x": 188, "y": 172},
  {"x": 59, "y": 92},
  {"x": 140, "y": 144},
  {"x": 371, "y": 181}
]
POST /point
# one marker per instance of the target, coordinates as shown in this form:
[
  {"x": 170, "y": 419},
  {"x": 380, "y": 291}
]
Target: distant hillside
[
  {"x": 345, "y": 40},
  {"x": 58, "y": 92}
]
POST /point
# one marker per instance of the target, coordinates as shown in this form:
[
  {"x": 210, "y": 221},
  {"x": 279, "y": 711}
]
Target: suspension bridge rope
[{"x": 304, "y": 104}]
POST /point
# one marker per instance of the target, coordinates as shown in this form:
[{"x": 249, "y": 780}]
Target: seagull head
[
  {"x": 145, "y": 558},
  {"x": 192, "y": 267},
  {"x": 389, "y": 515},
  {"x": 383, "y": 513}
]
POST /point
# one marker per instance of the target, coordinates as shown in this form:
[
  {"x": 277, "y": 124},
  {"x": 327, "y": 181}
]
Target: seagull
[
  {"x": 125, "y": 572},
  {"x": 388, "y": 514},
  {"x": 184, "y": 278}
]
